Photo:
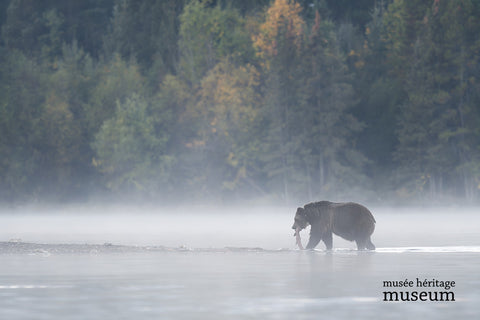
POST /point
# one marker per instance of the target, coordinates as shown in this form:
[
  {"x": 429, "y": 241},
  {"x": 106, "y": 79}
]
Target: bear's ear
[{"x": 300, "y": 211}]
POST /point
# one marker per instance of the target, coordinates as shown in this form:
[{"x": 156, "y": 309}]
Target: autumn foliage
[
  {"x": 282, "y": 16},
  {"x": 265, "y": 101}
]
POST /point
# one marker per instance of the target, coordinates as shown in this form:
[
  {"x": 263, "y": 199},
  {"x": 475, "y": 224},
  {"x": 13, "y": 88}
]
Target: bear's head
[{"x": 300, "y": 221}]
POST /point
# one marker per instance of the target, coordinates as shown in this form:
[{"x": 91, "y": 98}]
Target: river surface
[{"x": 144, "y": 263}]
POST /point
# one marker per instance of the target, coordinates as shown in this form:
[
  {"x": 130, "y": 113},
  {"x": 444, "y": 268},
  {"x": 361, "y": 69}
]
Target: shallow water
[{"x": 153, "y": 265}]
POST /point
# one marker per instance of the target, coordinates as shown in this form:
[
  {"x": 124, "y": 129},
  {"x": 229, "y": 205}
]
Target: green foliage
[
  {"x": 57, "y": 144},
  {"x": 206, "y": 36},
  {"x": 118, "y": 80},
  {"x": 128, "y": 153}
]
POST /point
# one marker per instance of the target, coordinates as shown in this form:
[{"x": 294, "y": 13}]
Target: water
[{"x": 211, "y": 264}]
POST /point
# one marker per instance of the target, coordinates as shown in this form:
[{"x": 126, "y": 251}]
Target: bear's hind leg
[
  {"x": 361, "y": 244},
  {"x": 327, "y": 238},
  {"x": 370, "y": 245}
]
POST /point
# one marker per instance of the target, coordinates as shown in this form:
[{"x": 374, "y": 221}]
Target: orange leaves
[{"x": 281, "y": 14}]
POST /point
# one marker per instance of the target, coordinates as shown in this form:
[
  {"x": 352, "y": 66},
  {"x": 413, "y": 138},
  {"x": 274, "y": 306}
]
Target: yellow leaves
[
  {"x": 282, "y": 13},
  {"x": 195, "y": 144},
  {"x": 96, "y": 163},
  {"x": 213, "y": 122},
  {"x": 232, "y": 160},
  {"x": 240, "y": 171},
  {"x": 227, "y": 97},
  {"x": 57, "y": 107},
  {"x": 355, "y": 55},
  {"x": 441, "y": 97},
  {"x": 101, "y": 167},
  {"x": 359, "y": 64},
  {"x": 226, "y": 109}
]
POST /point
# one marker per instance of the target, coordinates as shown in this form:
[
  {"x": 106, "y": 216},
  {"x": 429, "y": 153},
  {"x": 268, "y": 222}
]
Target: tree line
[{"x": 271, "y": 100}]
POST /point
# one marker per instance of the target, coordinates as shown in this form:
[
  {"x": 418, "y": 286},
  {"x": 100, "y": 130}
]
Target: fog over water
[
  {"x": 108, "y": 262},
  {"x": 204, "y": 227}
]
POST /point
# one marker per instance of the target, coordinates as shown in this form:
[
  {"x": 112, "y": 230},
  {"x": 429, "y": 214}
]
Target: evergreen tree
[
  {"x": 22, "y": 100},
  {"x": 437, "y": 143},
  {"x": 333, "y": 165},
  {"x": 379, "y": 94},
  {"x": 146, "y": 31},
  {"x": 39, "y": 28}
]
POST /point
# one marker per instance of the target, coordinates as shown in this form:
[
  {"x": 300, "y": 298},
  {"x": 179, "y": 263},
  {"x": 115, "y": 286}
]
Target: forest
[{"x": 240, "y": 101}]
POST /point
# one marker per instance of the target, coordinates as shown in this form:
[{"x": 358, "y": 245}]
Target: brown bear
[{"x": 350, "y": 221}]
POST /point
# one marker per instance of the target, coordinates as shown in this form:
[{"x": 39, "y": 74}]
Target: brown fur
[{"x": 349, "y": 220}]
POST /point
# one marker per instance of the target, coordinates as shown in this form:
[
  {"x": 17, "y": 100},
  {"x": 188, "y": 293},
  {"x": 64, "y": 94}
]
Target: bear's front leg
[{"x": 314, "y": 240}]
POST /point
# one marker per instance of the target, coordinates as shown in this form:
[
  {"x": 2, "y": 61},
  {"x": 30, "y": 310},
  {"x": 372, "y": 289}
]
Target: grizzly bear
[{"x": 350, "y": 221}]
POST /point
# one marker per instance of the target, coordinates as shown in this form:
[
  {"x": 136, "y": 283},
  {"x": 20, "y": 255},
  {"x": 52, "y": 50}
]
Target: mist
[{"x": 221, "y": 226}]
